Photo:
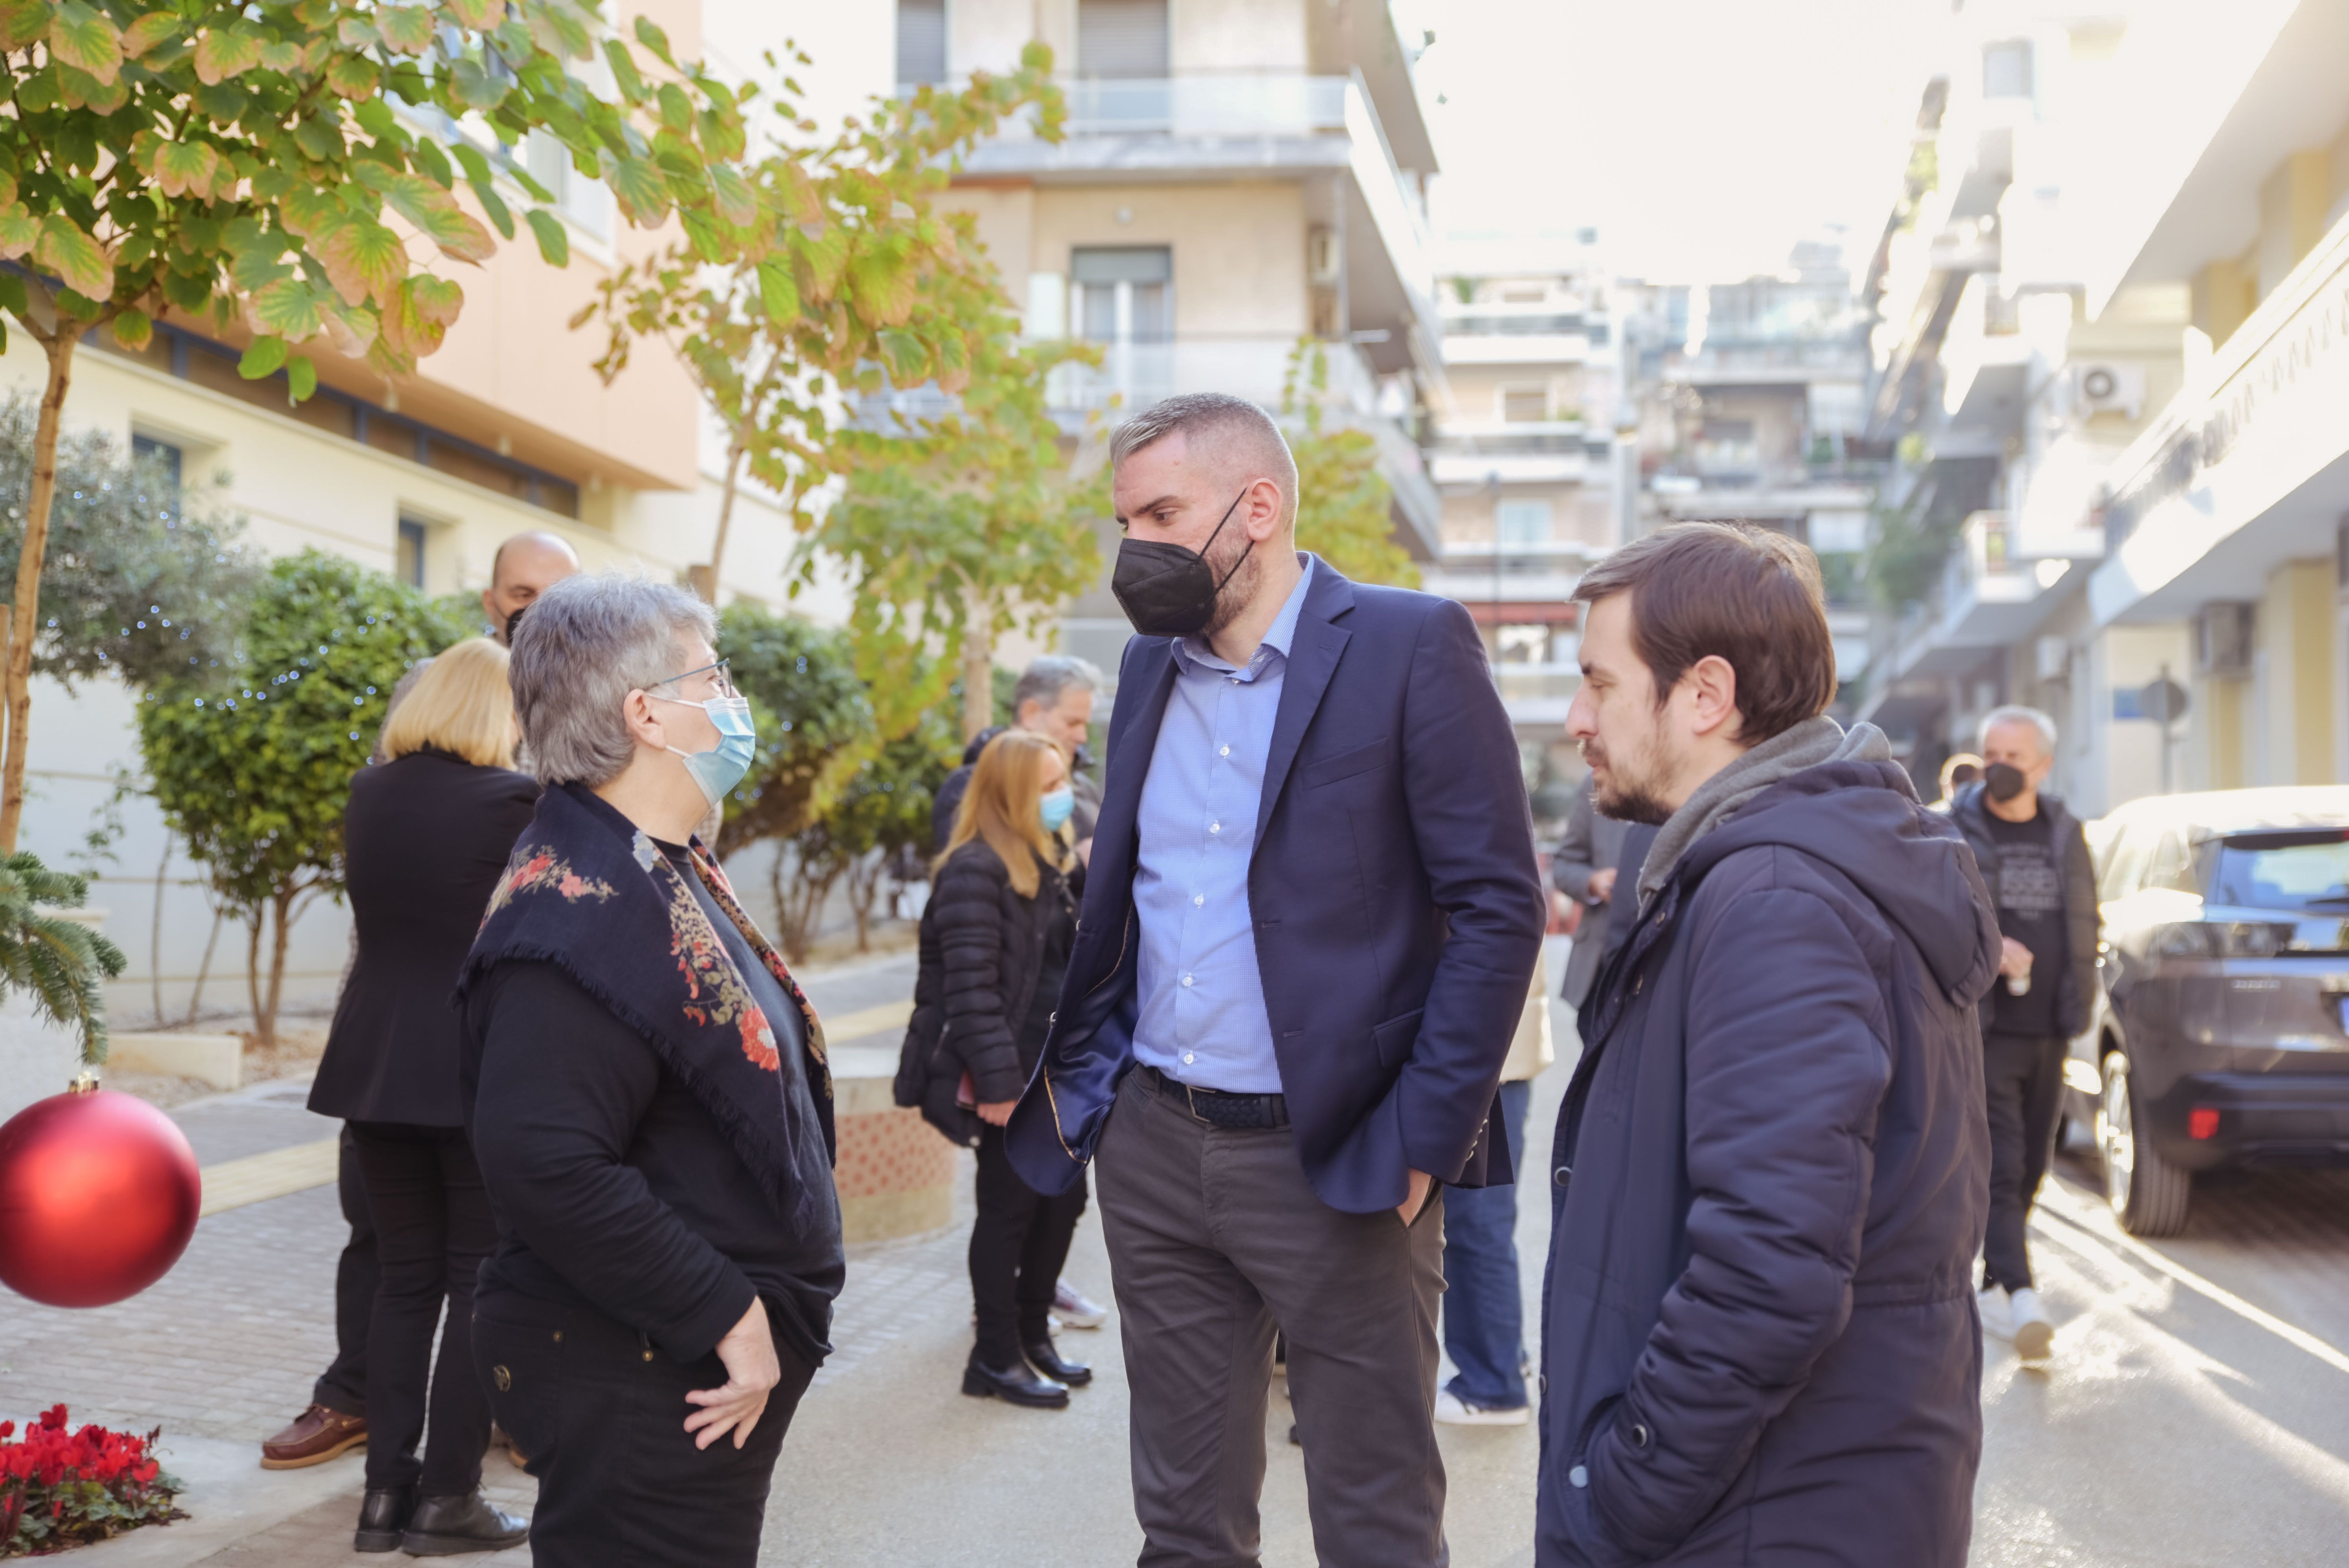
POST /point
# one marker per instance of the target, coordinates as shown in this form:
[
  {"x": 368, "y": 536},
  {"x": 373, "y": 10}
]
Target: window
[
  {"x": 147, "y": 448},
  {"x": 1124, "y": 294},
  {"x": 921, "y": 43},
  {"x": 409, "y": 562},
  {"x": 1525, "y": 405},
  {"x": 1122, "y": 38},
  {"x": 2006, "y": 69},
  {"x": 2302, "y": 872},
  {"x": 586, "y": 202},
  {"x": 1521, "y": 645},
  {"x": 1522, "y": 522},
  {"x": 2124, "y": 864}
]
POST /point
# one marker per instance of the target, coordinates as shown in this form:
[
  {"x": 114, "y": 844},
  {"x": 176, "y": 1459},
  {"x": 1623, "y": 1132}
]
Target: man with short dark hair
[
  {"x": 1761, "y": 1342},
  {"x": 1310, "y": 924},
  {"x": 2035, "y": 861}
]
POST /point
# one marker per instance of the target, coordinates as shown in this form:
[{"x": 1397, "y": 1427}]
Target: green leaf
[
  {"x": 553, "y": 243},
  {"x": 779, "y": 294},
  {"x": 134, "y": 329},
  {"x": 288, "y": 309},
  {"x": 883, "y": 283},
  {"x": 560, "y": 29},
  {"x": 501, "y": 217},
  {"x": 142, "y": 37},
  {"x": 222, "y": 53},
  {"x": 320, "y": 136},
  {"x": 81, "y": 91},
  {"x": 301, "y": 378},
  {"x": 363, "y": 259},
  {"x": 353, "y": 75},
  {"x": 254, "y": 270},
  {"x": 407, "y": 28},
  {"x": 186, "y": 168},
  {"x": 13, "y": 297},
  {"x": 624, "y": 70},
  {"x": 469, "y": 158},
  {"x": 75, "y": 257},
  {"x": 907, "y": 359},
  {"x": 432, "y": 162},
  {"x": 263, "y": 358},
  {"x": 675, "y": 109},
  {"x": 475, "y": 88},
  {"x": 732, "y": 194},
  {"x": 23, "y": 22},
  {"x": 86, "y": 40},
  {"x": 653, "y": 38},
  {"x": 281, "y": 55},
  {"x": 642, "y": 193},
  {"x": 478, "y": 16}
]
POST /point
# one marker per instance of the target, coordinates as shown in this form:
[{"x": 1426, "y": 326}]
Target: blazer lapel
[
  {"x": 1313, "y": 653},
  {"x": 1132, "y": 743}
]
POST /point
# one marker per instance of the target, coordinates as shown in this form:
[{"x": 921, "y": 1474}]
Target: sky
[{"x": 1701, "y": 137}]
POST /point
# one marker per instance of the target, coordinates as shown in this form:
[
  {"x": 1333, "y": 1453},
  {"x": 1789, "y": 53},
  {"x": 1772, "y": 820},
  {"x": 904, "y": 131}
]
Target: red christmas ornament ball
[{"x": 99, "y": 1194}]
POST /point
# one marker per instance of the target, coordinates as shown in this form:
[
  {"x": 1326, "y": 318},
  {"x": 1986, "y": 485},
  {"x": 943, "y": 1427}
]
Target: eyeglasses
[{"x": 722, "y": 670}]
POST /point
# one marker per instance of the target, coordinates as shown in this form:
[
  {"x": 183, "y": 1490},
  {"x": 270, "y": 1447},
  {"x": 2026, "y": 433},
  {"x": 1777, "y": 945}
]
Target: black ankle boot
[
  {"x": 383, "y": 1514},
  {"x": 445, "y": 1526},
  {"x": 1043, "y": 1356},
  {"x": 1017, "y": 1383}
]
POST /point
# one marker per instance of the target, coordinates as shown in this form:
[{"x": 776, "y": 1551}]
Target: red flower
[
  {"x": 53, "y": 1419},
  {"x": 571, "y": 886},
  {"x": 758, "y": 1041}
]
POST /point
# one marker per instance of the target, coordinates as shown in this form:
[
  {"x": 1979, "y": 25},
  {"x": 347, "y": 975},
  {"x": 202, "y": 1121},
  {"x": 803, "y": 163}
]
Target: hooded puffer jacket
[{"x": 1759, "y": 1340}]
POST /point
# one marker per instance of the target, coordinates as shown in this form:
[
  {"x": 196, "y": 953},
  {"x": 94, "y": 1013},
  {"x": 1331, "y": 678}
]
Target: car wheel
[{"x": 2148, "y": 1194}]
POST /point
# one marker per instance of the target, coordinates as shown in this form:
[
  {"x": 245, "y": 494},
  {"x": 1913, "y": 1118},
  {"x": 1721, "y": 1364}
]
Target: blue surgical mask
[
  {"x": 721, "y": 767},
  {"x": 1056, "y": 808}
]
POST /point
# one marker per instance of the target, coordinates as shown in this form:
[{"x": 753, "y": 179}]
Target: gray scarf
[{"x": 1808, "y": 744}]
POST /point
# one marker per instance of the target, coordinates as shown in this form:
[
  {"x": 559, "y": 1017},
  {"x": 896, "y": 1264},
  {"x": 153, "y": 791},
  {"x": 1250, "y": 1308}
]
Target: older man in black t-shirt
[{"x": 2035, "y": 861}]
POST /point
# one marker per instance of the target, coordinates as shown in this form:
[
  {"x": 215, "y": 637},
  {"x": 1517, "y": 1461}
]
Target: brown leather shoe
[{"x": 317, "y": 1435}]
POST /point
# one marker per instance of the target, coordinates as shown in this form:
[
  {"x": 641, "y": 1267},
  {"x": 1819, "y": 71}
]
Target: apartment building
[
  {"x": 1747, "y": 406},
  {"x": 1525, "y": 458},
  {"x": 507, "y": 428},
  {"x": 2116, "y": 353},
  {"x": 1234, "y": 178}
]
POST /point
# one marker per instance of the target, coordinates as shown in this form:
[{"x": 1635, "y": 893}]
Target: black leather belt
[{"x": 1242, "y": 1112}]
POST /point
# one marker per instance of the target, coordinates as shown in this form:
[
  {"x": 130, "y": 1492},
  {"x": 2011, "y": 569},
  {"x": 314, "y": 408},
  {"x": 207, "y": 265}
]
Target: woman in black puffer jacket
[{"x": 995, "y": 944}]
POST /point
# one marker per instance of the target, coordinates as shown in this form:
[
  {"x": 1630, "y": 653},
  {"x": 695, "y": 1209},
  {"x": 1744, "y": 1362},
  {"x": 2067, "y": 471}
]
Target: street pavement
[{"x": 2197, "y": 1412}]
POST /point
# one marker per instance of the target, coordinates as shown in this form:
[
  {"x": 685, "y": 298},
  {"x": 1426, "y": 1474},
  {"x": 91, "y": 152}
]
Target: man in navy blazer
[{"x": 1310, "y": 918}]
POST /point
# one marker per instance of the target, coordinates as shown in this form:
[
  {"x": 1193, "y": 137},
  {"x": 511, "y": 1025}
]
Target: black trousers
[
  {"x": 1018, "y": 1244},
  {"x": 433, "y": 1228},
  {"x": 599, "y": 1410},
  {"x": 2025, "y": 1077},
  {"x": 342, "y": 1386}
]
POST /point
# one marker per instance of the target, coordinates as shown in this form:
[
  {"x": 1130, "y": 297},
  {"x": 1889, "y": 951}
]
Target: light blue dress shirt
[{"x": 1201, "y": 1018}]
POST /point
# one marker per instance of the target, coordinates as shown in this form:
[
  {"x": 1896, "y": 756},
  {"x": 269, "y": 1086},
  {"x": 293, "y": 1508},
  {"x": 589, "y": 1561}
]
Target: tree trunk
[
  {"x": 155, "y": 938},
  {"x": 708, "y": 587},
  {"x": 253, "y": 970},
  {"x": 978, "y": 665},
  {"x": 27, "y": 599},
  {"x": 282, "y": 907},
  {"x": 864, "y": 882},
  {"x": 204, "y": 970}
]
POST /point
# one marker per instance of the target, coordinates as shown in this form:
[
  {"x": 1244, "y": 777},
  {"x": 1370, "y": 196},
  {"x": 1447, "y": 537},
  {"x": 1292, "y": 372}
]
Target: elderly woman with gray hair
[{"x": 650, "y": 1105}]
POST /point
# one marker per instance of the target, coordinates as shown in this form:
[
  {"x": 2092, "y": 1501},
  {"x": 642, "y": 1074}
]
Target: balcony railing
[
  {"x": 1136, "y": 373},
  {"x": 1255, "y": 103}
]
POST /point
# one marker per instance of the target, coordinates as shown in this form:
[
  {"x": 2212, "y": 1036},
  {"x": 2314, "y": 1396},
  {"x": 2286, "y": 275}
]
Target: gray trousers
[{"x": 1215, "y": 1241}]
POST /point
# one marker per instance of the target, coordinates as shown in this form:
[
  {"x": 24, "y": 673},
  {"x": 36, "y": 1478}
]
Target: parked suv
[{"x": 2221, "y": 1038}]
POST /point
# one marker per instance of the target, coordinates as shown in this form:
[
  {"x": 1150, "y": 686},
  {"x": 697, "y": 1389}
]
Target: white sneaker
[
  {"x": 1455, "y": 1411},
  {"x": 2035, "y": 1335},
  {"x": 1075, "y": 1310},
  {"x": 1997, "y": 1317}
]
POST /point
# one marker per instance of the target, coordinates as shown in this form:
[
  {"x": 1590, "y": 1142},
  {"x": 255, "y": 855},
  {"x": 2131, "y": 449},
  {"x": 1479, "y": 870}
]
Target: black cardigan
[{"x": 425, "y": 838}]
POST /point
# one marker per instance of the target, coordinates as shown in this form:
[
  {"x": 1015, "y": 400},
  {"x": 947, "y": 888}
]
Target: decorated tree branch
[{"x": 290, "y": 170}]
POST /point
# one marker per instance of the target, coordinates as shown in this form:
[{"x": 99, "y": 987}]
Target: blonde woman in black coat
[
  {"x": 998, "y": 930},
  {"x": 426, "y": 836}
]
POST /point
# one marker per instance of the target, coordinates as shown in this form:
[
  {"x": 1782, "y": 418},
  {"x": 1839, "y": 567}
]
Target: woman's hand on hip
[
  {"x": 997, "y": 1113},
  {"x": 748, "y": 1352}
]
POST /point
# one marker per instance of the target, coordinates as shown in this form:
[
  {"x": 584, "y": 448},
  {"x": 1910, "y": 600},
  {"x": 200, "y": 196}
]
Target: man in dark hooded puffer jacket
[{"x": 1759, "y": 1341}]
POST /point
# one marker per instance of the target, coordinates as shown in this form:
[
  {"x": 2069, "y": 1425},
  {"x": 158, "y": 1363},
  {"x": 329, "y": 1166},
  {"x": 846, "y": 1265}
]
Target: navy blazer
[{"x": 1397, "y": 903}]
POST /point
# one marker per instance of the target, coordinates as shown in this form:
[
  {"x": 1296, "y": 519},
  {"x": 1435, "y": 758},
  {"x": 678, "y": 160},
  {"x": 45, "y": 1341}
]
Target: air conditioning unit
[
  {"x": 2107, "y": 387},
  {"x": 2223, "y": 641},
  {"x": 1323, "y": 256}
]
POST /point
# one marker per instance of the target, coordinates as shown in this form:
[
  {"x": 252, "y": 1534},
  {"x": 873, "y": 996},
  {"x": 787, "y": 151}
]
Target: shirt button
[
  {"x": 1198, "y": 898},
  {"x": 1187, "y": 1058},
  {"x": 1563, "y": 1175},
  {"x": 1227, "y": 751},
  {"x": 1215, "y": 827},
  {"x": 1186, "y": 979}
]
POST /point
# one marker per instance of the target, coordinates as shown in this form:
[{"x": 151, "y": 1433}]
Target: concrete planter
[
  {"x": 895, "y": 1173},
  {"x": 215, "y": 1059}
]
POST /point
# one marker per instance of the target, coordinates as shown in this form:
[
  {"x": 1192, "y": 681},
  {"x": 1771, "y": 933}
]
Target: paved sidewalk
[{"x": 886, "y": 1464}]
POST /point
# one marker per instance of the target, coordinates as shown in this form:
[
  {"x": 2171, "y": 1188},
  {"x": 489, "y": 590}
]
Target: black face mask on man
[
  {"x": 1167, "y": 590},
  {"x": 511, "y": 622},
  {"x": 2004, "y": 780}
]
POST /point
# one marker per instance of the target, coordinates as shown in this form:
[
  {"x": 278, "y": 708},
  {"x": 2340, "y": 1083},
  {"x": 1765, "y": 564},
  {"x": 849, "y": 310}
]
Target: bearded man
[{"x": 1771, "y": 1169}]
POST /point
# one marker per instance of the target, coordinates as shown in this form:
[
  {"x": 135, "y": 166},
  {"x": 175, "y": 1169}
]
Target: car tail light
[{"x": 2202, "y": 1122}]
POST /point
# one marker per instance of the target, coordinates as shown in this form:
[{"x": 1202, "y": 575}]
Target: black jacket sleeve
[
  {"x": 563, "y": 1086},
  {"x": 968, "y": 898},
  {"x": 2084, "y": 926}
]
